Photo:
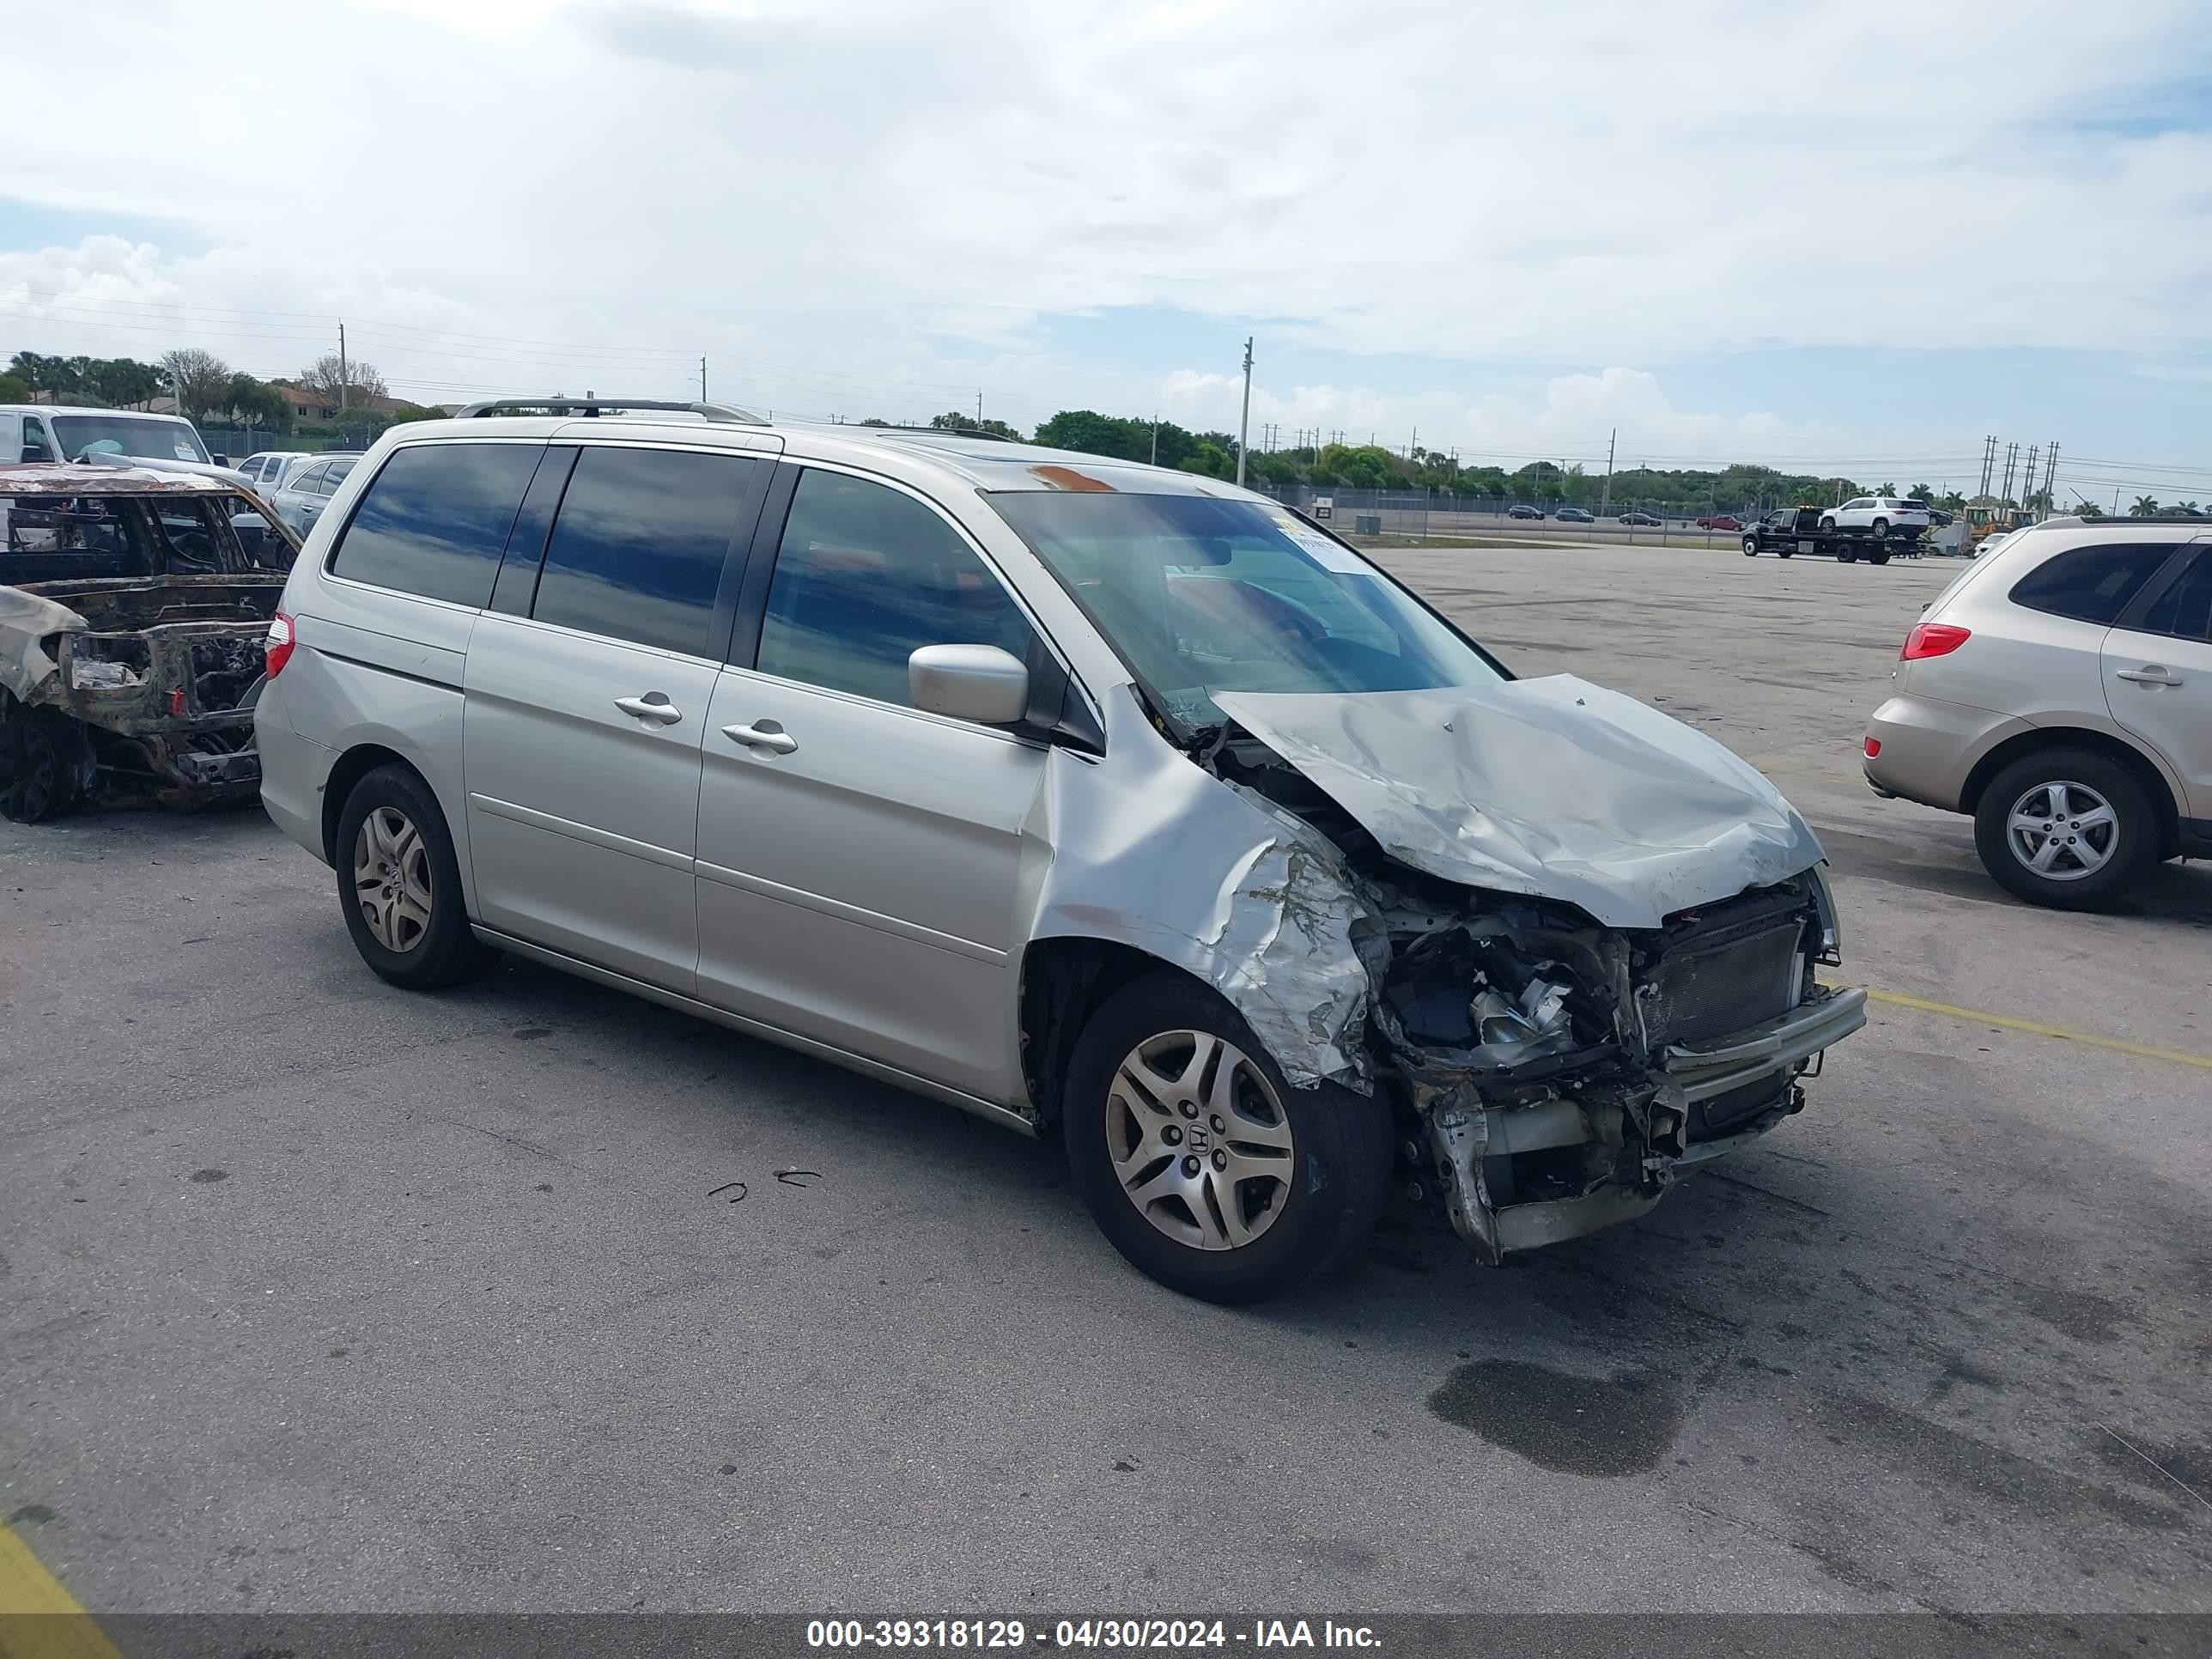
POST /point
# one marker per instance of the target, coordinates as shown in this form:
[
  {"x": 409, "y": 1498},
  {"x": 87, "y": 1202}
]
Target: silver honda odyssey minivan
[{"x": 1110, "y": 802}]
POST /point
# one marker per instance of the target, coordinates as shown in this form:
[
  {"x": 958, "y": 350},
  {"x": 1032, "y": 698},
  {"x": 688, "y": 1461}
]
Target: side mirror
[{"x": 979, "y": 683}]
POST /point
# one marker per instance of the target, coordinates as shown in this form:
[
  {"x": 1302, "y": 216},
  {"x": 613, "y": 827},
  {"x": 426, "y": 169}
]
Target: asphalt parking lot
[{"x": 315, "y": 1295}]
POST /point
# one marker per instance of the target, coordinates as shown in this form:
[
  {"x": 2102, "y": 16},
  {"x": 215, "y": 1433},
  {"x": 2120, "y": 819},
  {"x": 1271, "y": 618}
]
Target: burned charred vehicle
[
  {"x": 1104, "y": 802},
  {"x": 133, "y": 605}
]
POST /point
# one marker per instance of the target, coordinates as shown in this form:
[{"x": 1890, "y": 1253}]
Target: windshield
[
  {"x": 1201, "y": 595},
  {"x": 127, "y": 434}
]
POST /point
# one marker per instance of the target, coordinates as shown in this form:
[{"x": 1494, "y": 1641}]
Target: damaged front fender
[{"x": 1160, "y": 855}]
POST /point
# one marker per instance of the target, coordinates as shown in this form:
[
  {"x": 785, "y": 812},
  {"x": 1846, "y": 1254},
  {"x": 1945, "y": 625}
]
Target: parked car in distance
[
  {"x": 1879, "y": 515},
  {"x": 1058, "y": 787},
  {"x": 306, "y": 490},
  {"x": 1990, "y": 544},
  {"x": 264, "y": 469},
  {"x": 34, "y": 433},
  {"x": 2060, "y": 691},
  {"x": 1721, "y": 521},
  {"x": 1640, "y": 519},
  {"x": 1521, "y": 510},
  {"x": 1939, "y": 518},
  {"x": 133, "y": 608},
  {"x": 1573, "y": 515}
]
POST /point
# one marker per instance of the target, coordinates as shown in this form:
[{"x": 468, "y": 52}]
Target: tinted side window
[
  {"x": 435, "y": 520},
  {"x": 2184, "y": 609},
  {"x": 640, "y": 543},
  {"x": 2091, "y": 584},
  {"x": 307, "y": 481},
  {"x": 865, "y": 577}
]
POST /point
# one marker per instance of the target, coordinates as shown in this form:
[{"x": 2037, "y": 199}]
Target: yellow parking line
[
  {"x": 39, "y": 1619},
  {"x": 2005, "y": 1022}
]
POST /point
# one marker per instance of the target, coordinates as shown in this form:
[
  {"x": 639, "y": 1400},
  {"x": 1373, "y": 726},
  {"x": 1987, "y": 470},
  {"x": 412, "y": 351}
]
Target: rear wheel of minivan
[
  {"x": 2067, "y": 828},
  {"x": 1200, "y": 1164},
  {"x": 400, "y": 884}
]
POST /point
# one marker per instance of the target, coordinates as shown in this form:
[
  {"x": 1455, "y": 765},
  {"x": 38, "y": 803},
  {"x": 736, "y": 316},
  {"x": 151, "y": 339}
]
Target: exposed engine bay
[{"x": 1558, "y": 1073}]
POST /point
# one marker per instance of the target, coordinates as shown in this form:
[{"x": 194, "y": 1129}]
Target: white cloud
[{"x": 880, "y": 199}]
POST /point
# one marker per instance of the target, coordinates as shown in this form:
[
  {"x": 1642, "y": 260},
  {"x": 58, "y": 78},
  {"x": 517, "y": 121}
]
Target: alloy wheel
[
  {"x": 1199, "y": 1140},
  {"x": 2062, "y": 830},
  {"x": 391, "y": 879}
]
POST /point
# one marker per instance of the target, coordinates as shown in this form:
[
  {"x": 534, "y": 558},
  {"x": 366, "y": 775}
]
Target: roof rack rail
[
  {"x": 590, "y": 407},
  {"x": 941, "y": 431}
]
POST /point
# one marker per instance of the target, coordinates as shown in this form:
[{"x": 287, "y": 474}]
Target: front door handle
[
  {"x": 766, "y": 735},
  {"x": 653, "y": 706},
  {"x": 2150, "y": 674}
]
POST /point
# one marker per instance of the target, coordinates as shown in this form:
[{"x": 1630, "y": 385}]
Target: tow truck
[{"x": 1796, "y": 530}]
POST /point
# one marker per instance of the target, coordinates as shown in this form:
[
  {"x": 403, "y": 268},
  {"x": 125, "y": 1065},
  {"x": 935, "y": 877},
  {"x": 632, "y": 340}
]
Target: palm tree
[
  {"x": 2091, "y": 510},
  {"x": 2145, "y": 506},
  {"x": 2191, "y": 509}
]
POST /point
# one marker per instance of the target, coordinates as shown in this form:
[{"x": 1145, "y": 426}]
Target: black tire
[
  {"x": 1847, "y": 555},
  {"x": 2136, "y": 844},
  {"x": 443, "y": 952},
  {"x": 1880, "y": 555},
  {"x": 1881, "y": 530},
  {"x": 1319, "y": 1218},
  {"x": 45, "y": 764},
  {"x": 1751, "y": 547}
]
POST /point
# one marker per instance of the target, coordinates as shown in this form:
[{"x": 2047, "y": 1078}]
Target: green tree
[
  {"x": 255, "y": 402},
  {"x": 955, "y": 421},
  {"x": 327, "y": 374},
  {"x": 202, "y": 380},
  {"x": 2091, "y": 510},
  {"x": 14, "y": 389},
  {"x": 1886, "y": 490},
  {"x": 2145, "y": 506},
  {"x": 418, "y": 412},
  {"x": 123, "y": 382},
  {"x": 1922, "y": 493}
]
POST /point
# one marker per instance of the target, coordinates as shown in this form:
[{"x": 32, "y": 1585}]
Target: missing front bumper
[{"x": 1466, "y": 1136}]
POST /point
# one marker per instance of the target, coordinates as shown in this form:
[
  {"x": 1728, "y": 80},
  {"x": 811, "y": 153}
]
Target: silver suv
[
  {"x": 1098, "y": 800},
  {"x": 2060, "y": 691}
]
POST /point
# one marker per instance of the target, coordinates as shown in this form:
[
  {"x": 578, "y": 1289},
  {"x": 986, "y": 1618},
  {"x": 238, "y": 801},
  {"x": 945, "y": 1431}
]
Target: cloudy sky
[{"x": 1858, "y": 236}]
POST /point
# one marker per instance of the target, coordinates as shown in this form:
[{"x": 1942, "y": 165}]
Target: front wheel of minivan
[
  {"x": 2067, "y": 828},
  {"x": 400, "y": 884},
  {"x": 1200, "y": 1164}
]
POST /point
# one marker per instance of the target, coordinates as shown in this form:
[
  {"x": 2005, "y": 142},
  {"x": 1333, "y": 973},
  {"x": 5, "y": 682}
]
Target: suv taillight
[
  {"x": 1933, "y": 640},
  {"x": 278, "y": 644}
]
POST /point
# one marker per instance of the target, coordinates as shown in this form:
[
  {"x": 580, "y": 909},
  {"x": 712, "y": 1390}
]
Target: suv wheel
[
  {"x": 1827, "y": 521},
  {"x": 45, "y": 764},
  {"x": 1881, "y": 529},
  {"x": 2067, "y": 828},
  {"x": 1751, "y": 547},
  {"x": 401, "y": 886},
  {"x": 1202, "y": 1166}
]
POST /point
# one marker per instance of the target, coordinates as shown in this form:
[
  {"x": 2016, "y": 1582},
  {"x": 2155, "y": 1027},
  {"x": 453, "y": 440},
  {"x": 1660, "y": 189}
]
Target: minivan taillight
[
  {"x": 1931, "y": 639},
  {"x": 278, "y": 644}
]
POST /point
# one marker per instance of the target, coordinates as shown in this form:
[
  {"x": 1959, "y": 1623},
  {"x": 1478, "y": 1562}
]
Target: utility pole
[
  {"x": 2051, "y": 479},
  {"x": 702, "y": 377},
  {"x": 343, "y": 374},
  {"x": 1156, "y": 437},
  {"x": 979, "y": 410},
  {"x": 1244, "y": 421},
  {"x": 1605, "y": 499},
  {"x": 2028, "y": 478}
]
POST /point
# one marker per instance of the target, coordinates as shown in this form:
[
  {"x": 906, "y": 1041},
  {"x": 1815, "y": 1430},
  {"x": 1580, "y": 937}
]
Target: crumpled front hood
[{"x": 1551, "y": 786}]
